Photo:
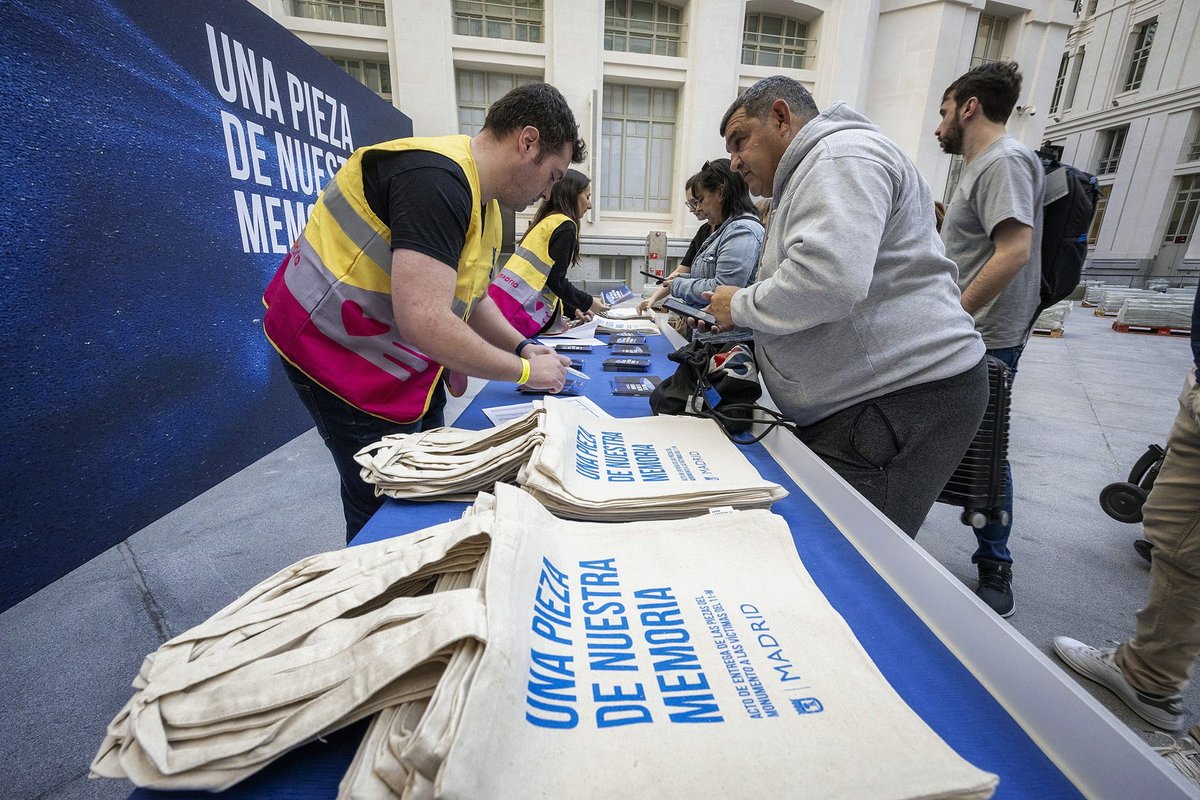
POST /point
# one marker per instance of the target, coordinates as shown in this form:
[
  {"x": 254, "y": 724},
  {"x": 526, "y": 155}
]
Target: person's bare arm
[
  {"x": 1014, "y": 243},
  {"x": 422, "y": 291}
]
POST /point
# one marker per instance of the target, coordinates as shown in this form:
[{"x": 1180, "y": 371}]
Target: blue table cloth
[{"x": 916, "y": 663}]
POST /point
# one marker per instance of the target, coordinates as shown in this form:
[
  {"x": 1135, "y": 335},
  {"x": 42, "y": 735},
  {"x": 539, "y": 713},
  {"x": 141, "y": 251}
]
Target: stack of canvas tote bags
[
  {"x": 640, "y": 468},
  {"x": 679, "y": 659},
  {"x": 449, "y": 463},
  {"x": 332, "y": 639},
  {"x": 579, "y": 466}
]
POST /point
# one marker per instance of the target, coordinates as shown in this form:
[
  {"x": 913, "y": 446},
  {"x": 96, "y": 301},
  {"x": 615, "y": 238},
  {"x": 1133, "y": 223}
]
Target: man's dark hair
[
  {"x": 718, "y": 175},
  {"x": 758, "y": 99},
  {"x": 996, "y": 86},
  {"x": 564, "y": 199},
  {"x": 543, "y": 107}
]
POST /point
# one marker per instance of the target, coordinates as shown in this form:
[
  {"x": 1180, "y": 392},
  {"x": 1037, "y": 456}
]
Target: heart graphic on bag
[
  {"x": 357, "y": 323},
  {"x": 539, "y": 306}
]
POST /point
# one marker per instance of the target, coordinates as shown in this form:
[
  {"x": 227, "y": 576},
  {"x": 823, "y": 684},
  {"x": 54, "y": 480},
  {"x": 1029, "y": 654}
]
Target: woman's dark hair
[
  {"x": 564, "y": 199},
  {"x": 716, "y": 175},
  {"x": 690, "y": 183}
]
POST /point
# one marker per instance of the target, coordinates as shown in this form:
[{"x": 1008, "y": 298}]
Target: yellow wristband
[{"x": 524, "y": 372}]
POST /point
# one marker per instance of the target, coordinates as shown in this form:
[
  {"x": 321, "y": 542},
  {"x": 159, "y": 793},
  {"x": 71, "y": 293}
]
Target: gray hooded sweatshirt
[{"x": 855, "y": 298}]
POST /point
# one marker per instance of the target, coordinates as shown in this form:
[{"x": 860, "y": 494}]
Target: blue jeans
[
  {"x": 346, "y": 430},
  {"x": 993, "y": 537}
]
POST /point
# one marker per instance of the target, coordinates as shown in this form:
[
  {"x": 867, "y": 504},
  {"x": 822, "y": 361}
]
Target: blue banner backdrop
[{"x": 158, "y": 159}]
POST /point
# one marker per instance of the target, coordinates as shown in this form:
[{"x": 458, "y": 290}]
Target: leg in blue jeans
[
  {"x": 346, "y": 430},
  {"x": 993, "y": 537}
]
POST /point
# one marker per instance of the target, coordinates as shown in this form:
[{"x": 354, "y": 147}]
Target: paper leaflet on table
[{"x": 502, "y": 414}]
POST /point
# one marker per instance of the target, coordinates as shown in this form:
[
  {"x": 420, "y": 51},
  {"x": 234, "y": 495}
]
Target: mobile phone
[
  {"x": 658, "y": 278},
  {"x": 682, "y": 308}
]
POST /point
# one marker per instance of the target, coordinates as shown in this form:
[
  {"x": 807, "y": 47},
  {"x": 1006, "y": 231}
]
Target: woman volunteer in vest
[{"x": 532, "y": 289}]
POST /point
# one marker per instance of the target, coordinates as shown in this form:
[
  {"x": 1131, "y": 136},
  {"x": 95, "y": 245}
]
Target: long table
[{"x": 995, "y": 699}]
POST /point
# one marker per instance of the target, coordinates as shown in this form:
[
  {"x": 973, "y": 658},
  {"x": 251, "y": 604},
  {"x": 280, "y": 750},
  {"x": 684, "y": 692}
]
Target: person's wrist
[
  {"x": 525, "y": 368},
  {"x": 523, "y": 344}
]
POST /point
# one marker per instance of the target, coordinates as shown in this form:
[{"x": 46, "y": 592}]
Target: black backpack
[{"x": 1069, "y": 205}]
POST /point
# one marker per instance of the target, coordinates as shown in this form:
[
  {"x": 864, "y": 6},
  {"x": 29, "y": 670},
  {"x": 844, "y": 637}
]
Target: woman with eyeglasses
[
  {"x": 685, "y": 264},
  {"x": 728, "y": 256},
  {"x": 532, "y": 288}
]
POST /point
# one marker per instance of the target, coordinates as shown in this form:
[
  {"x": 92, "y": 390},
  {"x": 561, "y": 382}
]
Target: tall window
[
  {"x": 1183, "y": 213},
  {"x": 614, "y": 268},
  {"x": 1143, "y": 40},
  {"x": 476, "y": 93},
  {"x": 642, "y": 26},
  {"x": 1193, "y": 150},
  {"x": 771, "y": 41},
  {"x": 1112, "y": 142},
  {"x": 637, "y": 146},
  {"x": 361, "y": 12},
  {"x": 989, "y": 39},
  {"x": 1101, "y": 207},
  {"x": 1073, "y": 83},
  {"x": 375, "y": 75},
  {"x": 519, "y": 20},
  {"x": 1059, "y": 83}
]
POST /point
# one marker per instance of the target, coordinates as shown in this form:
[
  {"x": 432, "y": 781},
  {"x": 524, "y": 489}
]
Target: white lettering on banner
[
  {"x": 259, "y": 223},
  {"x": 235, "y": 147},
  {"x": 243, "y": 78}
]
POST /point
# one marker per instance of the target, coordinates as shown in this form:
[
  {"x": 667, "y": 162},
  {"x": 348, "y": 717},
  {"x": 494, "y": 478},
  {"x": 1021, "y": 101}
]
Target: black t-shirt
[
  {"x": 562, "y": 253},
  {"x": 694, "y": 247},
  {"x": 423, "y": 197}
]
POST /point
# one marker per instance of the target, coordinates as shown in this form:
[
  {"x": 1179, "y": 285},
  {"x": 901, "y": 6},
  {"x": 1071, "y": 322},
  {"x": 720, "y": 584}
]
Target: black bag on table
[{"x": 712, "y": 377}]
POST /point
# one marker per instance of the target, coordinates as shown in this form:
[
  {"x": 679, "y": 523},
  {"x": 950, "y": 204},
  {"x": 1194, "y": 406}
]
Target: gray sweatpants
[{"x": 899, "y": 450}]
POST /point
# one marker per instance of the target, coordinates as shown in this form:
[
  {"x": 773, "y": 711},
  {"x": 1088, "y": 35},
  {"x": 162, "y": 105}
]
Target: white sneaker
[
  {"x": 1184, "y": 755},
  {"x": 1165, "y": 712}
]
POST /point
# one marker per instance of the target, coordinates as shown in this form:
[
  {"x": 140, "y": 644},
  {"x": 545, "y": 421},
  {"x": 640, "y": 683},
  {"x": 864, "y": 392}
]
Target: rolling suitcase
[{"x": 977, "y": 485}]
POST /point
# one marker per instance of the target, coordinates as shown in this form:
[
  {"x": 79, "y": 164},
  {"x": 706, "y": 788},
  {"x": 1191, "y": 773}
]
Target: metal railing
[
  {"x": 359, "y": 12},
  {"x": 627, "y": 35}
]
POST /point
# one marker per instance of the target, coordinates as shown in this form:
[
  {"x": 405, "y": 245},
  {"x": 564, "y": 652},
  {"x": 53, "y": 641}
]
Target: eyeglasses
[{"x": 693, "y": 204}]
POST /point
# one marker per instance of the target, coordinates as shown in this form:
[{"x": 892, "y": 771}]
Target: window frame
[
  {"x": 663, "y": 37},
  {"x": 364, "y": 65},
  {"x": 500, "y": 19},
  {"x": 1139, "y": 56},
  {"x": 1111, "y": 148},
  {"x": 657, "y": 170},
  {"x": 364, "y": 10},
  {"x": 792, "y": 50},
  {"x": 518, "y": 79},
  {"x": 991, "y": 41}
]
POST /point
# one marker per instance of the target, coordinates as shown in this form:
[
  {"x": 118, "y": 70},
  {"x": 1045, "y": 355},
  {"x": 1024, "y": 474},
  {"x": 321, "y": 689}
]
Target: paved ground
[{"x": 1086, "y": 406}]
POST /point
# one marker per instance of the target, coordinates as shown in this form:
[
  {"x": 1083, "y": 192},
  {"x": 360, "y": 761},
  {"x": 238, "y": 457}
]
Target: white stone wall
[
  {"x": 1161, "y": 115},
  {"x": 891, "y": 59}
]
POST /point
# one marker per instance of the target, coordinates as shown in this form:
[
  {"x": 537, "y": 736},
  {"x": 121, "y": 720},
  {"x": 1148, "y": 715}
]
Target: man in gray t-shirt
[{"x": 993, "y": 232}]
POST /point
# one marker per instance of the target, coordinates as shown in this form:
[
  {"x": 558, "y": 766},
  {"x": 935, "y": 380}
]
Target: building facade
[
  {"x": 1126, "y": 107},
  {"x": 649, "y": 80}
]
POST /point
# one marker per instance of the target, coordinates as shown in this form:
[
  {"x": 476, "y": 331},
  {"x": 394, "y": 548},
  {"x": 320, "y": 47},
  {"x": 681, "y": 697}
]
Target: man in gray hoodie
[{"x": 860, "y": 335}]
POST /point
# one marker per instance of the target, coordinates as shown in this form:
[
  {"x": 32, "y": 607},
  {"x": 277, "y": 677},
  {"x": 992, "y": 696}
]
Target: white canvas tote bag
[{"x": 687, "y": 659}]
